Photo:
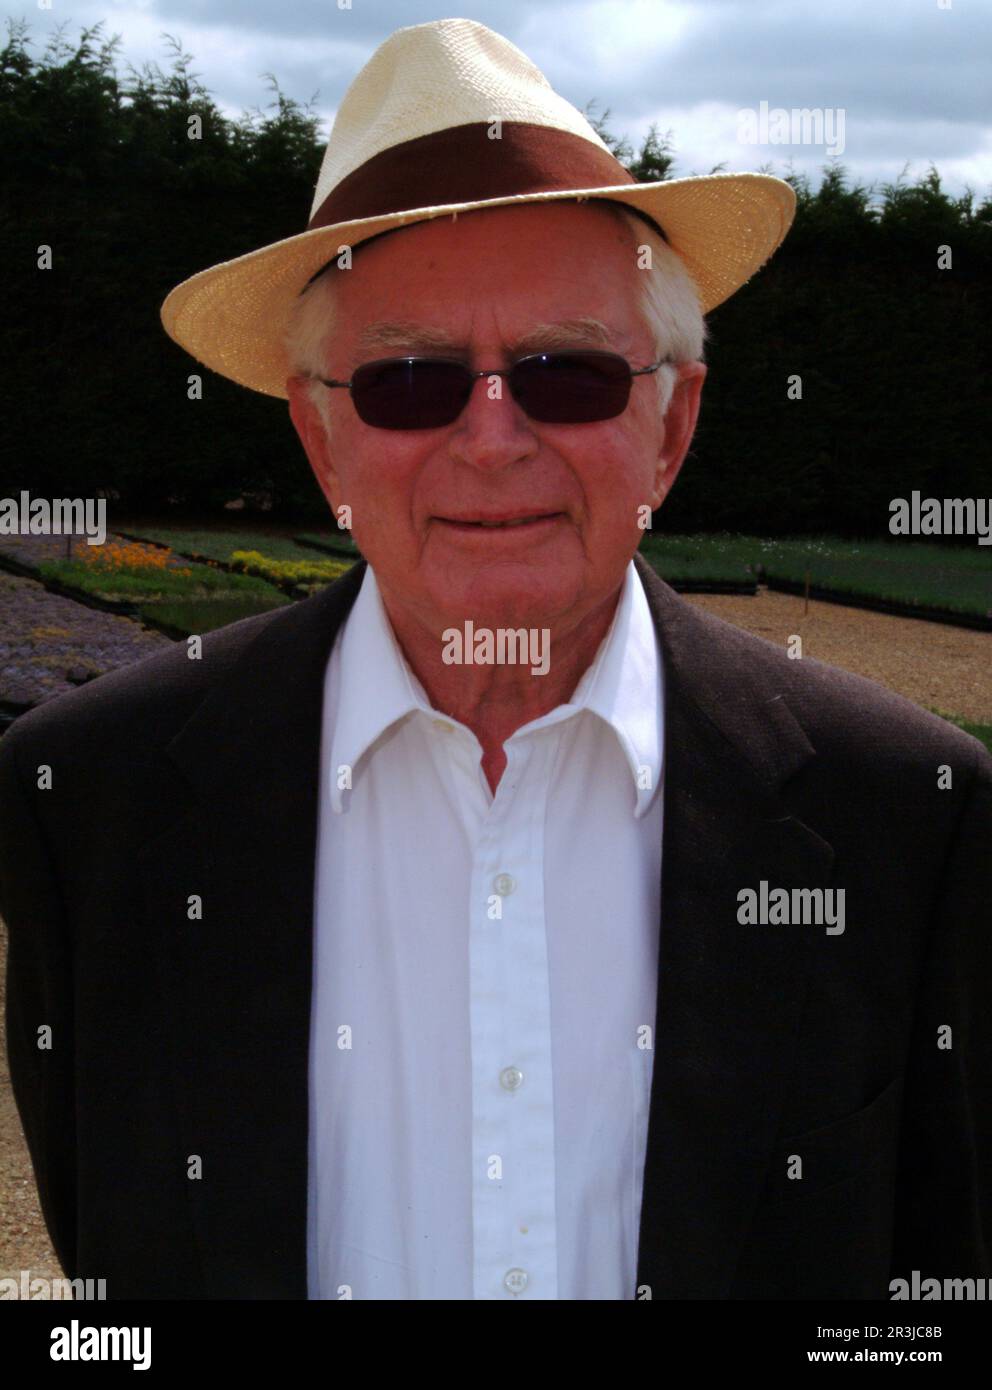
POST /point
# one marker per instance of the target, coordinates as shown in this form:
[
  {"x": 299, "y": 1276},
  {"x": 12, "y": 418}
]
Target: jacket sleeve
[
  {"x": 943, "y": 1217},
  {"x": 39, "y": 996}
]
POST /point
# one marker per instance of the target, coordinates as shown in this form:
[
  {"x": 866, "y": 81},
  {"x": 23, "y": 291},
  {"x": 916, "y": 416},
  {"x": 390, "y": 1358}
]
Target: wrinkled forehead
[{"x": 606, "y": 204}]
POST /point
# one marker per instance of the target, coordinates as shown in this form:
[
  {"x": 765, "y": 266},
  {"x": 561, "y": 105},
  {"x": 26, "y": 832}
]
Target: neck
[{"x": 496, "y": 700}]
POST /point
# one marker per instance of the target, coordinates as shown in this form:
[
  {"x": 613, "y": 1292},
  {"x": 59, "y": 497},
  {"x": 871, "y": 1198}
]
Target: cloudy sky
[{"x": 898, "y": 82}]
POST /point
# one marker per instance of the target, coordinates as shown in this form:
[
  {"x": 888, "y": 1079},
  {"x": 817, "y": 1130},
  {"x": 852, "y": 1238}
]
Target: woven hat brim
[{"x": 233, "y": 316}]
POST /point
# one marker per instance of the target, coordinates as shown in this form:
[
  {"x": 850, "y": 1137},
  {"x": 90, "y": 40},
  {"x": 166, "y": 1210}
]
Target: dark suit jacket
[{"x": 173, "y": 1037}]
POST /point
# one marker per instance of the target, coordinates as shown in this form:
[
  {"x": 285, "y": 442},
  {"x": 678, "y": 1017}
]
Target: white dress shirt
[{"x": 484, "y": 987}]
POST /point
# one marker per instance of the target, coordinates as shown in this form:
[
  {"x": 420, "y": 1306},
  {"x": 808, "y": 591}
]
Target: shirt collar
[
  {"x": 376, "y": 685},
  {"x": 622, "y": 686}
]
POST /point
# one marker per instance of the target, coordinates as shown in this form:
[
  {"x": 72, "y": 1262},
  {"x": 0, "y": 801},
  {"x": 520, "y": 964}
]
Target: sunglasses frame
[{"x": 473, "y": 376}]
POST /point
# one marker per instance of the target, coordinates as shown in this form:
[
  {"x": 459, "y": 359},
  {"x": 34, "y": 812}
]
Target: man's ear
[
  {"x": 309, "y": 425},
  {"x": 679, "y": 427}
]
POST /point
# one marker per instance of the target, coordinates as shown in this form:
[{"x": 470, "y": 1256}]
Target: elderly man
[{"x": 494, "y": 924}]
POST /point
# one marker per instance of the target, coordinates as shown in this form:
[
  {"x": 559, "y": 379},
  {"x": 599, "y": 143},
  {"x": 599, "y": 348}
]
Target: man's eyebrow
[
  {"x": 582, "y": 332},
  {"x": 402, "y": 335},
  {"x": 579, "y": 332}
]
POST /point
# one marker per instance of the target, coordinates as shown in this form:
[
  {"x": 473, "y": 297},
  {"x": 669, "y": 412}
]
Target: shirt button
[
  {"x": 504, "y": 884},
  {"x": 511, "y": 1078},
  {"x": 515, "y": 1280}
]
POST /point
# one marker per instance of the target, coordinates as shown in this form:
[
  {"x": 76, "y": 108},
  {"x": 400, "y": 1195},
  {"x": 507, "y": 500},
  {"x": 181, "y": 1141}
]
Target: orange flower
[{"x": 131, "y": 556}]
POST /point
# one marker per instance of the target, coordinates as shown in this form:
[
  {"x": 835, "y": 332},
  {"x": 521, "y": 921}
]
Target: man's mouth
[{"x": 497, "y": 523}]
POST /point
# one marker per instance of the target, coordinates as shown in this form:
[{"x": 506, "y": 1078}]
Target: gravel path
[
  {"x": 938, "y": 667},
  {"x": 24, "y": 1242}
]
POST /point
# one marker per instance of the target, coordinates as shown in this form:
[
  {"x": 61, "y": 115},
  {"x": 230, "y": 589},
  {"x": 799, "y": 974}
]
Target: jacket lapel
[
  {"x": 729, "y": 995},
  {"x": 237, "y": 983}
]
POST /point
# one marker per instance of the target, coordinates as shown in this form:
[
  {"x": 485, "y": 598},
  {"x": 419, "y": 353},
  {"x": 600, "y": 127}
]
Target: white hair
[{"x": 669, "y": 302}]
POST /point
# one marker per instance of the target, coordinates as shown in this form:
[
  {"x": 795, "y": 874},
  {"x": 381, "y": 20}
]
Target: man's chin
[{"x": 505, "y": 594}]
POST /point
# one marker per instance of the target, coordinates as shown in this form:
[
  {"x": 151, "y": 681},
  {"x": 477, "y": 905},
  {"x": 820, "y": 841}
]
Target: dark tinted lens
[
  {"x": 410, "y": 393},
  {"x": 571, "y": 388}
]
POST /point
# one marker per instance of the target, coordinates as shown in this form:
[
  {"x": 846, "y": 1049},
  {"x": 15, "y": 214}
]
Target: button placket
[{"x": 510, "y": 1008}]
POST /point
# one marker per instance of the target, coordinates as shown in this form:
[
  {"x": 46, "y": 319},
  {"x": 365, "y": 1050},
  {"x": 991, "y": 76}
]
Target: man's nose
[{"x": 492, "y": 428}]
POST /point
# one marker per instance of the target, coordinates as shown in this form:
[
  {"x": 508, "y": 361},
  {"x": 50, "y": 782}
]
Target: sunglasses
[{"x": 557, "y": 388}]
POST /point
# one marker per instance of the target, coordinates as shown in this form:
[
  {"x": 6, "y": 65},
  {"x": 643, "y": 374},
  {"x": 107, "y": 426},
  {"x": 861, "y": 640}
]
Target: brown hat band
[{"x": 457, "y": 166}]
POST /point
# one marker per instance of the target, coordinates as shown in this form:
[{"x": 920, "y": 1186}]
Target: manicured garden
[
  {"x": 916, "y": 574},
  {"x": 299, "y": 577},
  {"x": 913, "y": 577},
  {"x": 220, "y": 543},
  {"x": 150, "y": 582}
]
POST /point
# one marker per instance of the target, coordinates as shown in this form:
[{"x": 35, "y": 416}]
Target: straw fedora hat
[{"x": 445, "y": 118}]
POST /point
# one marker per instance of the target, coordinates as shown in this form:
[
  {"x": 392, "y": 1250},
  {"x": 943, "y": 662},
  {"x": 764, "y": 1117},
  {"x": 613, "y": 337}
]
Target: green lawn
[
  {"x": 221, "y": 544},
  {"x": 337, "y": 542},
  {"x": 958, "y": 578},
  {"x": 198, "y": 602},
  {"x": 202, "y": 582},
  {"x": 702, "y": 558},
  {"x": 185, "y": 616}
]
